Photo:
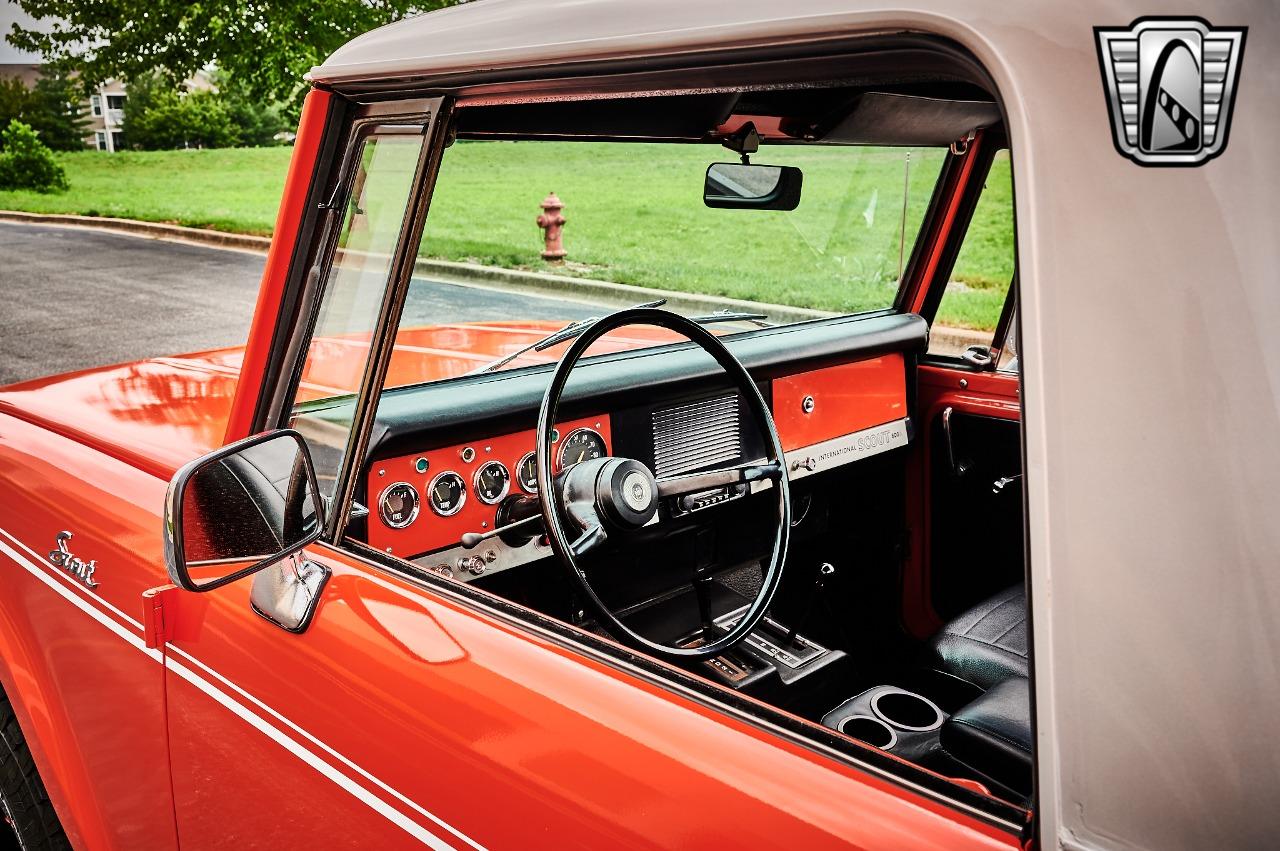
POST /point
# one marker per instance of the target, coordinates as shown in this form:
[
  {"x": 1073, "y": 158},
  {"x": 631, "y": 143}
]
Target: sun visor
[{"x": 892, "y": 119}]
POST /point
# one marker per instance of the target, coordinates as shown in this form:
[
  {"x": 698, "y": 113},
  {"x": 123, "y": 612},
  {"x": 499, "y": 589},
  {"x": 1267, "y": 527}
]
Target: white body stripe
[
  {"x": 78, "y": 601},
  {"x": 88, "y": 603}
]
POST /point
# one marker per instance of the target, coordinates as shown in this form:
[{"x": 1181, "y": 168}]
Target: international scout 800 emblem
[
  {"x": 63, "y": 558},
  {"x": 1170, "y": 86}
]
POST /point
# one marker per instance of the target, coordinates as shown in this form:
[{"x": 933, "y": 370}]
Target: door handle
[
  {"x": 1003, "y": 482},
  {"x": 959, "y": 468}
]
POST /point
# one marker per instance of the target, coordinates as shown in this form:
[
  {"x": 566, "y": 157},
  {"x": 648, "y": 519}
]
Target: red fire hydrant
[{"x": 552, "y": 224}]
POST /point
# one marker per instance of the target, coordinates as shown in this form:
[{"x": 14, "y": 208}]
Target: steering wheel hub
[{"x": 626, "y": 493}]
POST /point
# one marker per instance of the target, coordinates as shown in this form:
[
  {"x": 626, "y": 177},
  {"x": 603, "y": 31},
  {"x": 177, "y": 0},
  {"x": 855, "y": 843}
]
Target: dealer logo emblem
[{"x": 1170, "y": 83}]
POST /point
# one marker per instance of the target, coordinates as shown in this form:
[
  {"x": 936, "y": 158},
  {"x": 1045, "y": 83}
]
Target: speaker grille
[{"x": 696, "y": 435}]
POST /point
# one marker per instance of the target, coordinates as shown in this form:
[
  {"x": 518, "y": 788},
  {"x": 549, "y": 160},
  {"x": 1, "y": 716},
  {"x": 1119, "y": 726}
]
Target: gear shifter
[{"x": 825, "y": 570}]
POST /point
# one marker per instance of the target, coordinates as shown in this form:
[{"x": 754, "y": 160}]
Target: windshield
[
  {"x": 634, "y": 224},
  {"x": 488, "y": 288}
]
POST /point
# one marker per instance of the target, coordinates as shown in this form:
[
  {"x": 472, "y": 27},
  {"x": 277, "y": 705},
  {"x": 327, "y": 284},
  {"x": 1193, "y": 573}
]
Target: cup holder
[
  {"x": 873, "y": 731},
  {"x": 907, "y": 710}
]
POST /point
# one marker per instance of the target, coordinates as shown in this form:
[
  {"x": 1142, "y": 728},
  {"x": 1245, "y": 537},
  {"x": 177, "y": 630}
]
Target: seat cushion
[
  {"x": 992, "y": 735},
  {"x": 987, "y": 644}
]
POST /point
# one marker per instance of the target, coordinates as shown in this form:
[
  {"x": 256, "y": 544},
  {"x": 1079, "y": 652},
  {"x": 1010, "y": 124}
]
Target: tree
[
  {"x": 15, "y": 100},
  {"x": 52, "y": 108},
  {"x": 26, "y": 163},
  {"x": 266, "y": 46},
  {"x": 258, "y": 122},
  {"x": 157, "y": 116},
  {"x": 57, "y": 111}
]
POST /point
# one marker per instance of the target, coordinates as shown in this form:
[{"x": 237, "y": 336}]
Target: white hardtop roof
[{"x": 492, "y": 35}]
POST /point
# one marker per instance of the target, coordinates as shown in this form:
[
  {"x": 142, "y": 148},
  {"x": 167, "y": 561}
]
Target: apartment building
[{"x": 105, "y": 114}]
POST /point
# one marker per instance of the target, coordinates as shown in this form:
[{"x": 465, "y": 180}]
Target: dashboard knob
[{"x": 809, "y": 464}]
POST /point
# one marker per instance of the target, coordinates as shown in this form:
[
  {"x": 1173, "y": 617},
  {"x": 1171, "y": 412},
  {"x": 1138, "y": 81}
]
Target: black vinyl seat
[
  {"x": 992, "y": 736},
  {"x": 987, "y": 644},
  {"x": 987, "y": 647}
]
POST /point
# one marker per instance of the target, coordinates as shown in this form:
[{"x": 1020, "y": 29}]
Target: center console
[
  {"x": 769, "y": 652},
  {"x": 892, "y": 719}
]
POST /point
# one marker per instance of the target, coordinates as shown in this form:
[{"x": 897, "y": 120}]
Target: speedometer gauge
[
  {"x": 527, "y": 472},
  {"x": 447, "y": 493},
  {"x": 398, "y": 505},
  {"x": 582, "y": 444},
  {"x": 492, "y": 482}
]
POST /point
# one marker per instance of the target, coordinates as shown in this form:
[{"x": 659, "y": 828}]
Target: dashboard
[
  {"x": 423, "y": 502},
  {"x": 435, "y": 481}
]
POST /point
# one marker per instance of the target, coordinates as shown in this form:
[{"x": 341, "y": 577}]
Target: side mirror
[
  {"x": 755, "y": 187},
  {"x": 240, "y": 508}
]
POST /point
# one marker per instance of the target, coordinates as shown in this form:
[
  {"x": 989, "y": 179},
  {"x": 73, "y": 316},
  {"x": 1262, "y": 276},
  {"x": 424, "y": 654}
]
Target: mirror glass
[
  {"x": 241, "y": 508},
  {"x": 763, "y": 187}
]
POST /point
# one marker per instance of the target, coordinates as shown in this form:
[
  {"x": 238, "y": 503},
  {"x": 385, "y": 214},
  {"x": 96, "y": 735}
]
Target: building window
[
  {"x": 115, "y": 101},
  {"x": 95, "y": 104},
  {"x": 117, "y": 140}
]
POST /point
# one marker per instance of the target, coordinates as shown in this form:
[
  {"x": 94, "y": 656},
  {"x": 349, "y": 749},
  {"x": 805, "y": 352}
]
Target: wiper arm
[
  {"x": 760, "y": 319},
  {"x": 571, "y": 331},
  {"x": 506, "y": 359},
  {"x": 568, "y": 332}
]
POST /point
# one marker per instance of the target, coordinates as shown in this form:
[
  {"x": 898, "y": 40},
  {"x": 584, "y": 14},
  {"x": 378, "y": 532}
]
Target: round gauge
[
  {"x": 398, "y": 505},
  {"x": 447, "y": 493},
  {"x": 582, "y": 444},
  {"x": 492, "y": 482},
  {"x": 527, "y": 472}
]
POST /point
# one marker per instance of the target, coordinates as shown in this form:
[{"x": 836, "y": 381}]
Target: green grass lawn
[
  {"x": 233, "y": 189},
  {"x": 634, "y": 215}
]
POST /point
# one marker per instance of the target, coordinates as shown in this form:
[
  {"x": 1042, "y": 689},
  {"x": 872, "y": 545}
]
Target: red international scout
[{"x": 703, "y": 572}]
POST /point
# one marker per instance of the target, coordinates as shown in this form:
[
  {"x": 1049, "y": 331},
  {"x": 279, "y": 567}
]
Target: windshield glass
[{"x": 635, "y": 228}]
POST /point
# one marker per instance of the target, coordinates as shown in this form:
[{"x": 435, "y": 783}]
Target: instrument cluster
[{"x": 426, "y": 501}]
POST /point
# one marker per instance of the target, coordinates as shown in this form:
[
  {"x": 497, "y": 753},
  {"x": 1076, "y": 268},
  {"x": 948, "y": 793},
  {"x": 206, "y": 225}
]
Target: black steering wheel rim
[{"x": 550, "y": 498}]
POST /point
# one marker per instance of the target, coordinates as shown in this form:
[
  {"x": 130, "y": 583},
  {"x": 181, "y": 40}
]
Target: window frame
[
  {"x": 429, "y": 119},
  {"x": 935, "y": 288}
]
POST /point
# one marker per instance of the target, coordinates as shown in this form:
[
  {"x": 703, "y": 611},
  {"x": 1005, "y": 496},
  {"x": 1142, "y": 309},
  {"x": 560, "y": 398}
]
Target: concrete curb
[
  {"x": 512, "y": 280},
  {"x": 154, "y": 230}
]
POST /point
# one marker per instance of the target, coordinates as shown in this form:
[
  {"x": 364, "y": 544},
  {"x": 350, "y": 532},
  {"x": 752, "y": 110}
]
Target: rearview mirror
[
  {"x": 236, "y": 510},
  {"x": 756, "y": 187}
]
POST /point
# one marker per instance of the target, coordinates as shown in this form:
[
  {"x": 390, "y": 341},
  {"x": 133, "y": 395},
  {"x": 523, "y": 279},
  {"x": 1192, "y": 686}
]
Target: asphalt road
[{"x": 74, "y": 298}]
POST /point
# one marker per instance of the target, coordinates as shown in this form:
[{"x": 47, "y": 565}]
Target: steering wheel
[{"x": 593, "y": 500}]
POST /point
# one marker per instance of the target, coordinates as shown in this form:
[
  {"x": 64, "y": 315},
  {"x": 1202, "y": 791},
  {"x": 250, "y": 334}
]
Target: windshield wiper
[
  {"x": 568, "y": 332},
  {"x": 576, "y": 329},
  {"x": 760, "y": 319}
]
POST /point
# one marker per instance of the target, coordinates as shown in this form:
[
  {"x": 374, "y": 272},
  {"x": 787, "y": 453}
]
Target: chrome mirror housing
[{"x": 239, "y": 509}]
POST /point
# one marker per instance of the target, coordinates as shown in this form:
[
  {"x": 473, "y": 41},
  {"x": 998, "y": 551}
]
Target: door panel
[
  {"x": 403, "y": 717},
  {"x": 951, "y": 560},
  {"x": 975, "y": 540}
]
